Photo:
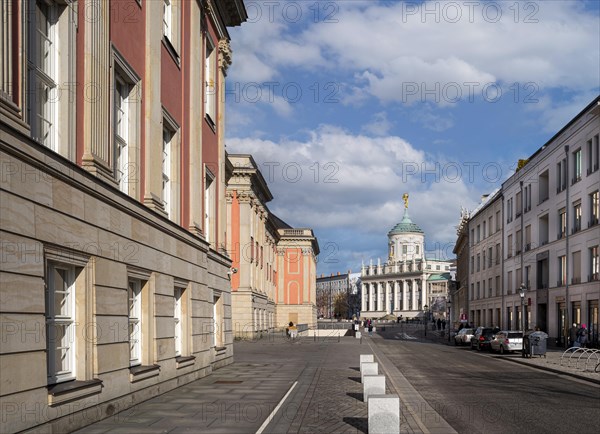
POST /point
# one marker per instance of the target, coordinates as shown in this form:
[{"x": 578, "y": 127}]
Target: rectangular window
[
  {"x": 484, "y": 260},
  {"x": 576, "y": 276},
  {"x": 166, "y": 170},
  {"x": 509, "y": 284},
  {"x": 210, "y": 85},
  {"x": 42, "y": 67},
  {"x": 518, "y": 242},
  {"x": 490, "y": 227},
  {"x": 497, "y": 286},
  {"x": 490, "y": 287},
  {"x": 178, "y": 319},
  {"x": 60, "y": 322},
  {"x": 498, "y": 255},
  {"x": 561, "y": 175},
  {"x": 543, "y": 187},
  {"x": 509, "y": 247},
  {"x": 562, "y": 270},
  {"x": 478, "y": 262},
  {"x": 519, "y": 204},
  {"x": 121, "y": 131},
  {"x": 483, "y": 289},
  {"x": 210, "y": 207},
  {"x": 472, "y": 237},
  {"x": 478, "y": 233},
  {"x": 576, "y": 166},
  {"x": 593, "y": 154},
  {"x": 527, "y": 276},
  {"x": 478, "y": 290},
  {"x": 498, "y": 221},
  {"x": 576, "y": 217},
  {"x": 484, "y": 229},
  {"x": 527, "y": 238},
  {"x": 489, "y": 257},
  {"x": 594, "y": 208},
  {"x": 594, "y": 264},
  {"x": 562, "y": 223},
  {"x": 472, "y": 264},
  {"x": 134, "y": 297}
]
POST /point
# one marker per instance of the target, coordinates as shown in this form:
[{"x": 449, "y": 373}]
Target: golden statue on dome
[{"x": 405, "y": 199}]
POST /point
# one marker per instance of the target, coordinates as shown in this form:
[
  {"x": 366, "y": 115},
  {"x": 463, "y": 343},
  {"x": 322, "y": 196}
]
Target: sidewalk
[{"x": 319, "y": 378}]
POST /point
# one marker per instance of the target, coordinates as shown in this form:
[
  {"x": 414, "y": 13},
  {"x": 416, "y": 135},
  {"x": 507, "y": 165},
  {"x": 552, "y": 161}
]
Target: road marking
[{"x": 275, "y": 410}]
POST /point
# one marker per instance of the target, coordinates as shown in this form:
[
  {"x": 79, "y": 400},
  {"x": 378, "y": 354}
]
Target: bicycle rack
[{"x": 577, "y": 354}]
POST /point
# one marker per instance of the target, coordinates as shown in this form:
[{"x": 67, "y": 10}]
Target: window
[
  {"x": 576, "y": 275},
  {"x": 478, "y": 262},
  {"x": 50, "y": 65},
  {"x": 527, "y": 275},
  {"x": 167, "y": 19},
  {"x": 134, "y": 297},
  {"x": 509, "y": 246},
  {"x": 60, "y": 322},
  {"x": 6, "y": 52},
  {"x": 594, "y": 208},
  {"x": 498, "y": 221},
  {"x": 576, "y": 217},
  {"x": 126, "y": 109},
  {"x": 472, "y": 292},
  {"x": 166, "y": 170},
  {"x": 472, "y": 264},
  {"x": 509, "y": 210},
  {"x": 497, "y": 285},
  {"x": 519, "y": 201},
  {"x": 543, "y": 187},
  {"x": 490, "y": 287},
  {"x": 593, "y": 154},
  {"x": 484, "y": 229},
  {"x": 498, "y": 255},
  {"x": 594, "y": 264},
  {"x": 210, "y": 85},
  {"x": 527, "y": 198},
  {"x": 562, "y": 223},
  {"x": 218, "y": 321},
  {"x": 178, "y": 312},
  {"x": 518, "y": 242},
  {"x": 483, "y": 289},
  {"x": 478, "y": 290},
  {"x": 489, "y": 257},
  {"x": 561, "y": 175},
  {"x": 543, "y": 230},
  {"x": 209, "y": 208},
  {"x": 576, "y": 166},
  {"x": 509, "y": 283},
  {"x": 404, "y": 249},
  {"x": 562, "y": 270},
  {"x": 527, "y": 238},
  {"x": 478, "y": 233}
]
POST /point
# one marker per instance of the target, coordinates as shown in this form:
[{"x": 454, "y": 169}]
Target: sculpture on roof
[{"x": 405, "y": 199}]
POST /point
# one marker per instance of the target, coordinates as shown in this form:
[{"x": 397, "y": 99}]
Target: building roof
[
  {"x": 278, "y": 223},
  {"x": 438, "y": 277},
  {"x": 405, "y": 226}
]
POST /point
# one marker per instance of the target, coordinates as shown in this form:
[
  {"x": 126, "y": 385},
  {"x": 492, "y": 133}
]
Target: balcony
[
  {"x": 575, "y": 180},
  {"x": 595, "y": 277},
  {"x": 575, "y": 280},
  {"x": 560, "y": 235},
  {"x": 593, "y": 222}
]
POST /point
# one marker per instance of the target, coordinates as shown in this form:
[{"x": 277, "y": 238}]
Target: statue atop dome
[{"x": 405, "y": 199}]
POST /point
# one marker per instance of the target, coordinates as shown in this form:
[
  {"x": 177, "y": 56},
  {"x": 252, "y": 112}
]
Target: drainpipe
[
  {"x": 524, "y": 322},
  {"x": 502, "y": 301},
  {"x": 568, "y": 315}
]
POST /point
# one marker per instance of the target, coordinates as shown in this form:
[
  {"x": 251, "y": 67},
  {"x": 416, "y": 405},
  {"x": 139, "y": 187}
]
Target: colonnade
[{"x": 395, "y": 295}]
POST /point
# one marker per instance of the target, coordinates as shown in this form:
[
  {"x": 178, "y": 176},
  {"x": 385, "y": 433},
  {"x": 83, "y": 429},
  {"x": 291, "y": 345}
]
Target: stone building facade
[
  {"x": 485, "y": 262},
  {"x": 275, "y": 264},
  {"x": 114, "y": 277}
]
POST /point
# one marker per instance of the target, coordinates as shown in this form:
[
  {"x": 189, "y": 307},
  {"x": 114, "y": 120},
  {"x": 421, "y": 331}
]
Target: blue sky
[{"x": 347, "y": 105}]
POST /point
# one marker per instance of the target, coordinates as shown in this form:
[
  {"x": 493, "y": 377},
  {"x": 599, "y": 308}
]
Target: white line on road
[{"x": 275, "y": 410}]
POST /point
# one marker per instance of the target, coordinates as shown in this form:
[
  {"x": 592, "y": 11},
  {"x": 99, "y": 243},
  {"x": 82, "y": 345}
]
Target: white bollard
[
  {"x": 373, "y": 385},
  {"x": 384, "y": 414},
  {"x": 368, "y": 368},
  {"x": 365, "y": 358},
  {"x": 358, "y": 335}
]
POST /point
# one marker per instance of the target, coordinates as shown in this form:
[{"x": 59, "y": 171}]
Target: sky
[{"x": 347, "y": 105}]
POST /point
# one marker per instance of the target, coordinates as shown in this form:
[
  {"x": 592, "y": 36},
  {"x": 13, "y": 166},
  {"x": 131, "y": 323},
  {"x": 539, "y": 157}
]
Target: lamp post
[
  {"x": 522, "y": 291},
  {"x": 426, "y": 318},
  {"x": 449, "y": 323}
]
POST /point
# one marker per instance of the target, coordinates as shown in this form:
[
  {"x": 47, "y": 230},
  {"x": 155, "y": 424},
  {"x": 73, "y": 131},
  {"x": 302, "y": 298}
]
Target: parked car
[
  {"x": 481, "y": 338},
  {"x": 463, "y": 337},
  {"x": 504, "y": 341}
]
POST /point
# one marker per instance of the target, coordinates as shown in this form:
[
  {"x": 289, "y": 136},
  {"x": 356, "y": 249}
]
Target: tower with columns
[{"x": 399, "y": 287}]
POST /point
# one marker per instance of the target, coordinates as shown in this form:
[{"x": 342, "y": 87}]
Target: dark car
[{"x": 482, "y": 337}]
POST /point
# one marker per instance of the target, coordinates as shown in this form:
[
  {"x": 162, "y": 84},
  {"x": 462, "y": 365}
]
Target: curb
[{"x": 556, "y": 371}]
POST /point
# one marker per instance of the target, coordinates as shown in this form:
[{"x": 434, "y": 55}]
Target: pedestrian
[
  {"x": 443, "y": 324},
  {"x": 582, "y": 336},
  {"x": 293, "y": 330},
  {"x": 573, "y": 335},
  {"x": 439, "y": 324},
  {"x": 370, "y": 328}
]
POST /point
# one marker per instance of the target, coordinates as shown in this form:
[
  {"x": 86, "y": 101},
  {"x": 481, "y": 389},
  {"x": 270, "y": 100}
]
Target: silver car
[
  {"x": 463, "y": 337},
  {"x": 507, "y": 341}
]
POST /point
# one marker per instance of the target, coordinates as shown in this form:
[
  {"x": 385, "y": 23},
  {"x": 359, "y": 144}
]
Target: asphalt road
[{"x": 478, "y": 393}]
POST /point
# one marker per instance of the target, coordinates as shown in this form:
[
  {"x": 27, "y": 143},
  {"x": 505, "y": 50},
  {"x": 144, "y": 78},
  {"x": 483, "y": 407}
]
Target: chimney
[{"x": 484, "y": 197}]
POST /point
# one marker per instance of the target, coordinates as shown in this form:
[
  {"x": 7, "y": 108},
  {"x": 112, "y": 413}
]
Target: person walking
[
  {"x": 370, "y": 328},
  {"x": 573, "y": 335},
  {"x": 582, "y": 336}
]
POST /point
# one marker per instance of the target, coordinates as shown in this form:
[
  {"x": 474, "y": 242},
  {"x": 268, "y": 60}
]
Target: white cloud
[{"x": 379, "y": 125}]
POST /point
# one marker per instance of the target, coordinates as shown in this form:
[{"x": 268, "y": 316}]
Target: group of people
[
  {"x": 579, "y": 336},
  {"x": 440, "y": 323}
]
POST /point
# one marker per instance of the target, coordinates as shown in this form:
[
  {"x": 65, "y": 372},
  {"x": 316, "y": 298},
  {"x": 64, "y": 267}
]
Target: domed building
[{"x": 408, "y": 284}]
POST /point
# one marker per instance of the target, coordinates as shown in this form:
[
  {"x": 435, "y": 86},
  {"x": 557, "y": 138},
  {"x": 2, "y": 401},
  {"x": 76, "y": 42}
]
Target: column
[
  {"x": 396, "y": 295},
  {"x": 363, "y": 298},
  {"x": 371, "y": 297},
  {"x": 414, "y": 294},
  {"x": 404, "y": 289}
]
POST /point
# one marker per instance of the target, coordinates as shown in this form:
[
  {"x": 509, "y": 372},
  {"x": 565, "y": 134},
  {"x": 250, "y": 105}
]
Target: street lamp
[
  {"x": 426, "y": 315},
  {"x": 449, "y": 324},
  {"x": 522, "y": 291}
]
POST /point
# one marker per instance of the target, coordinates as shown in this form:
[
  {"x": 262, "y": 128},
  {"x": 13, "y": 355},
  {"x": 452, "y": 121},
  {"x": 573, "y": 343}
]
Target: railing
[{"x": 591, "y": 356}]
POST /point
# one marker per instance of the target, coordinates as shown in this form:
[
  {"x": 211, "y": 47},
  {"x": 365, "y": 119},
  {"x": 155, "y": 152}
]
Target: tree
[{"x": 340, "y": 305}]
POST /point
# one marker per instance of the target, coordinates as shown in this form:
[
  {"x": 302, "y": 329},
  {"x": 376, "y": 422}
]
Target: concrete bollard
[
  {"x": 384, "y": 414},
  {"x": 373, "y": 385},
  {"x": 364, "y": 358},
  {"x": 358, "y": 335},
  {"x": 368, "y": 368}
]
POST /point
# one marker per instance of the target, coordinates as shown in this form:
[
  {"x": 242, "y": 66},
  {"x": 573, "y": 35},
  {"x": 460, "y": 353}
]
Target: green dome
[{"x": 406, "y": 226}]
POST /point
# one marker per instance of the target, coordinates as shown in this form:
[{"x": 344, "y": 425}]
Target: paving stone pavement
[{"x": 319, "y": 375}]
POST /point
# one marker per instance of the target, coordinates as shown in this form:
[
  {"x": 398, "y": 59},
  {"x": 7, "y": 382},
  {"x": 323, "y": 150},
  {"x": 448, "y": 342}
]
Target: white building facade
[
  {"x": 551, "y": 237},
  {"x": 400, "y": 286}
]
